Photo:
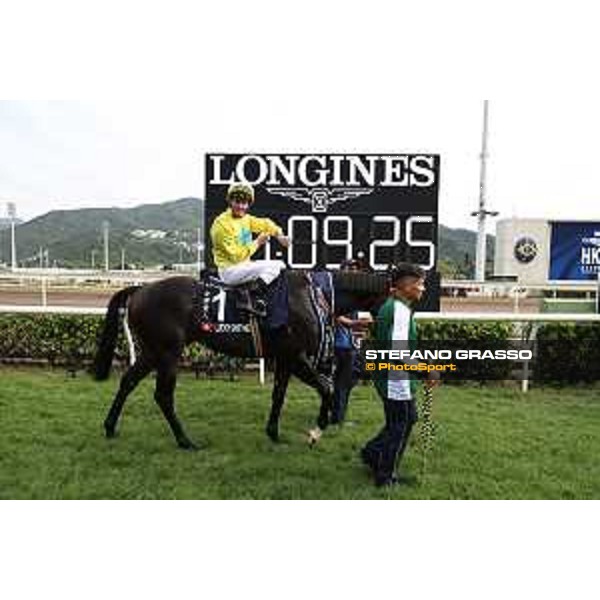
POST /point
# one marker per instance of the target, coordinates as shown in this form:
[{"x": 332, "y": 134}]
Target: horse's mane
[{"x": 358, "y": 282}]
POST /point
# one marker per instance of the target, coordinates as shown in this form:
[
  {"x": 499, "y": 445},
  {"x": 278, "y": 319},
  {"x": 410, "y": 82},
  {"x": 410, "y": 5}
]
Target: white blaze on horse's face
[{"x": 239, "y": 209}]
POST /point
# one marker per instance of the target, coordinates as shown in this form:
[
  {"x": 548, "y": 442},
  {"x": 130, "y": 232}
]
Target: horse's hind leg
[
  {"x": 129, "y": 381},
  {"x": 166, "y": 380},
  {"x": 309, "y": 375},
  {"x": 282, "y": 377}
]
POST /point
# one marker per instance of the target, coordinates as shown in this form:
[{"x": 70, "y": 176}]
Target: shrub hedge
[
  {"x": 464, "y": 335},
  {"x": 71, "y": 340},
  {"x": 568, "y": 353}
]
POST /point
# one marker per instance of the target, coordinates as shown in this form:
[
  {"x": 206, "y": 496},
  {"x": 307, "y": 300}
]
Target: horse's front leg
[
  {"x": 309, "y": 375},
  {"x": 326, "y": 392},
  {"x": 282, "y": 377}
]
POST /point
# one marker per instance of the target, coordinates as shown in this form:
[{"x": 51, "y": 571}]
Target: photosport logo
[
  {"x": 544, "y": 359},
  {"x": 454, "y": 360}
]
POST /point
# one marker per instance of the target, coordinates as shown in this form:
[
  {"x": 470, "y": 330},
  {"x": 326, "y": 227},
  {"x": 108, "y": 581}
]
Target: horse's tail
[{"x": 110, "y": 333}]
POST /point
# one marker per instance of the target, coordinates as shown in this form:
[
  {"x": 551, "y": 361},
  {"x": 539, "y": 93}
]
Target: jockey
[{"x": 233, "y": 244}]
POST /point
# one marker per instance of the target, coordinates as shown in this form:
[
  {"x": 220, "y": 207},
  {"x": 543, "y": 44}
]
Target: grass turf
[{"x": 490, "y": 443}]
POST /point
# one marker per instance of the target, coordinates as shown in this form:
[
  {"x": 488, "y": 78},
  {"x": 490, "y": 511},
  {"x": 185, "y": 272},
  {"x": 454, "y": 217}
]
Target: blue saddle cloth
[
  {"x": 218, "y": 306},
  {"x": 278, "y": 304},
  {"x": 221, "y": 306}
]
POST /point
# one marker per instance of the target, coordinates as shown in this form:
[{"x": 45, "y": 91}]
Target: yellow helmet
[{"x": 242, "y": 192}]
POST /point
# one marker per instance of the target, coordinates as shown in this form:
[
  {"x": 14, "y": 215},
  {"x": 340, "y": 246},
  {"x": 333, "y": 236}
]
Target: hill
[
  {"x": 160, "y": 234},
  {"x": 457, "y": 251},
  {"x": 152, "y": 234}
]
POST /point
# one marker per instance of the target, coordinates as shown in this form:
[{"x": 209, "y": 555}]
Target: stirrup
[
  {"x": 258, "y": 309},
  {"x": 256, "y": 306}
]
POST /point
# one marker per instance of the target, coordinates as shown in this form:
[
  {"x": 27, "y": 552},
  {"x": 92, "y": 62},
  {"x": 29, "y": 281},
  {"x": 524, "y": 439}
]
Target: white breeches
[{"x": 251, "y": 270}]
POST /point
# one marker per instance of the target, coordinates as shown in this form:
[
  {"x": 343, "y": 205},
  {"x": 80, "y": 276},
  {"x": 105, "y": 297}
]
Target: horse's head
[
  {"x": 366, "y": 290},
  {"x": 359, "y": 290}
]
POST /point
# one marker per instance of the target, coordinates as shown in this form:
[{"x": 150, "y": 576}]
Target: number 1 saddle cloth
[{"x": 225, "y": 326}]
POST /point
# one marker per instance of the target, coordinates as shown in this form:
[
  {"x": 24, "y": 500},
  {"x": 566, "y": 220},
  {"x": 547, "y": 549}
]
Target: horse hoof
[
  {"x": 322, "y": 423},
  {"x": 273, "y": 434},
  {"x": 189, "y": 446},
  {"x": 110, "y": 434}
]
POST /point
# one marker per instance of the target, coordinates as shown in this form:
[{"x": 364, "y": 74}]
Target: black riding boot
[
  {"x": 261, "y": 295},
  {"x": 252, "y": 298}
]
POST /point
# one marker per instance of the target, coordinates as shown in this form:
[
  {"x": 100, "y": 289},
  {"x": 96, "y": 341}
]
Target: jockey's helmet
[{"x": 240, "y": 192}]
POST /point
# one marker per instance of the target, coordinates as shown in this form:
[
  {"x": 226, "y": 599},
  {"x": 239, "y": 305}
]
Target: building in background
[{"x": 538, "y": 251}]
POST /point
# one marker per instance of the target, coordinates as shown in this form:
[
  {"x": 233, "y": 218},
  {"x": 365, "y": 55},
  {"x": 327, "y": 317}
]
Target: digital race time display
[
  {"x": 377, "y": 240},
  {"x": 381, "y": 209}
]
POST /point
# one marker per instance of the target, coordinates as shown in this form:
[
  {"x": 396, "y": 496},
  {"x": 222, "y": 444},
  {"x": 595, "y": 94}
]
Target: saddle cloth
[
  {"x": 217, "y": 304},
  {"x": 217, "y": 311}
]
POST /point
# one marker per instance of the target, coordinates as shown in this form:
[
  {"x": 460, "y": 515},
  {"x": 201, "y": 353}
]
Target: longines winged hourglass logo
[{"x": 320, "y": 199}]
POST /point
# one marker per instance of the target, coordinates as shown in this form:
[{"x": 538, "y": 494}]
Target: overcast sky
[
  {"x": 69, "y": 154},
  {"x": 163, "y": 88}
]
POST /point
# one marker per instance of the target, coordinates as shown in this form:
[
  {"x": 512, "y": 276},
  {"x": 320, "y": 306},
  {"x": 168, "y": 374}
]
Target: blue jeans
[
  {"x": 343, "y": 383},
  {"x": 386, "y": 449}
]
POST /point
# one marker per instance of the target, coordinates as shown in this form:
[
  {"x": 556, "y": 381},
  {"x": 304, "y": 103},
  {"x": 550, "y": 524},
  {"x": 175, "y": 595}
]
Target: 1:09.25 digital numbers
[{"x": 307, "y": 233}]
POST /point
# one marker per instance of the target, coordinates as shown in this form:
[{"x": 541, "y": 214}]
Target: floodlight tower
[
  {"x": 12, "y": 215},
  {"x": 105, "y": 228},
  {"x": 483, "y": 213}
]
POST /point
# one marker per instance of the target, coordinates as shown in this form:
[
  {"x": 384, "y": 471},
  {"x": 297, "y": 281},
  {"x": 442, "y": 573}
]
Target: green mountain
[
  {"x": 161, "y": 234},
  {"x": 149, "y": 235},
  {"x": 457, "y": 251}
]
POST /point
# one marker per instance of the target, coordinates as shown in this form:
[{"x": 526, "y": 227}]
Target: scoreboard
[{"x": 381, "y": 209}]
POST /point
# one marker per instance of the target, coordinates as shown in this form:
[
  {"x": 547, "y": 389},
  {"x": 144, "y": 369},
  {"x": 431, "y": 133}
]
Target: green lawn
[{"x": 490, "y": 443}]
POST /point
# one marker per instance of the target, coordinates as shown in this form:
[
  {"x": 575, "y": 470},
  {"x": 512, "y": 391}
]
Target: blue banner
[{"x": 575, "y": 251}]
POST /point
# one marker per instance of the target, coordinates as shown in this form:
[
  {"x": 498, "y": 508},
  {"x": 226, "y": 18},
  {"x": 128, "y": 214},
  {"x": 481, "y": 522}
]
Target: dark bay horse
[{"x": 162, "y": 318}]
